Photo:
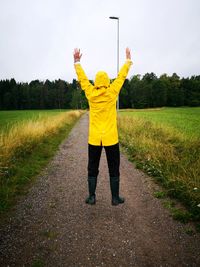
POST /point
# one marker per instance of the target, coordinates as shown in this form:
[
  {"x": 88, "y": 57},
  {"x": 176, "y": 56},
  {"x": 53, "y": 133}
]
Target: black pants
[{"x": 113, "y": 159}]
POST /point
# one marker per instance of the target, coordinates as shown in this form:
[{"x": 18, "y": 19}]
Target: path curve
[{"x": 52, "y": 226}]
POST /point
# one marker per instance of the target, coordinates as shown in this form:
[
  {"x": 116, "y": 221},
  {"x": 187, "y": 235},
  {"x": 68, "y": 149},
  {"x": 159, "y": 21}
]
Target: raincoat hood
[{"x": 101, "y": 79}]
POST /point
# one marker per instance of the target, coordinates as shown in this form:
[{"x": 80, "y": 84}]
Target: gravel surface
[{"x": 52, "y": 225}]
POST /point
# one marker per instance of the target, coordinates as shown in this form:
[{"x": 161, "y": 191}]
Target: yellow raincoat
[{"x": 102, "y": 97}]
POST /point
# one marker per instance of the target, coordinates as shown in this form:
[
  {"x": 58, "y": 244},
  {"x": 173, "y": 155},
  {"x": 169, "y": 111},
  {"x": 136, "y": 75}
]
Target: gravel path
[{"x": 52, "y": 226}]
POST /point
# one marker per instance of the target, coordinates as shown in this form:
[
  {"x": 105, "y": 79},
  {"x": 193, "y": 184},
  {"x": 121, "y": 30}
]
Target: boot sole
[
  {"x": 117, "y": 203},
  {"x": 90, "y": 203}
]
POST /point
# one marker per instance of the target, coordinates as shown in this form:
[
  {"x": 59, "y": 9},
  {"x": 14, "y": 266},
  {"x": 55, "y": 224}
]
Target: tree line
[
  {"x": 37, "y": 94},
  {"x": 138, "y": 92},
  {"x": 150, "y": 91}
]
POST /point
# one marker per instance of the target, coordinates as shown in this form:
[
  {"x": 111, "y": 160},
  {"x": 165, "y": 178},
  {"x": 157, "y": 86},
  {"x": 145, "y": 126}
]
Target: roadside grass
[
  {"x": 159, "y": 194},
  {"x": 26, "y": 149},
  {"x": 10, "y": 117},
  {"x": 167, "y": 152},
  {"x": 185, "y": 120}
]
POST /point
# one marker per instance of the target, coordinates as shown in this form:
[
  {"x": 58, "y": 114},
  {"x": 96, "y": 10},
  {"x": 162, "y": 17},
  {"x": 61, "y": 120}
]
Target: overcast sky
[{"x": 37, "y": 37}]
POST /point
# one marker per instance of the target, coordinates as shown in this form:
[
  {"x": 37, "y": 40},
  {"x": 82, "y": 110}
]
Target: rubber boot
[
  {"x": 92, "y": 183},
  {"x": 114, "y": 186}
]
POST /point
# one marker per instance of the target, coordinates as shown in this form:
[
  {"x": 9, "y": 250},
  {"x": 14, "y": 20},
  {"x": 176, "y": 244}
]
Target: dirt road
[{"x": 52, "y": 226}]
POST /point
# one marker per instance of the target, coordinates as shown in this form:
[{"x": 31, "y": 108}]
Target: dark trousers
[{"x": 113, "y": 159}]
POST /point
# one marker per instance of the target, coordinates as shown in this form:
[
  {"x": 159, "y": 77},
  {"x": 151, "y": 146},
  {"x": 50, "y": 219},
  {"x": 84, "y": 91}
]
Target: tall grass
[
  {"x": 23, "y": 136},
  {"x": 21, "y": 143},
  {"x": 184, "y": 119},
  {"x": 10, "y": 117},
  {"x": 167, "y": 154}
]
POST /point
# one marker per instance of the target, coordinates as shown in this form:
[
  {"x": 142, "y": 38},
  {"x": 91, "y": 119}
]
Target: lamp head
[{"x": 113, "y": 17}]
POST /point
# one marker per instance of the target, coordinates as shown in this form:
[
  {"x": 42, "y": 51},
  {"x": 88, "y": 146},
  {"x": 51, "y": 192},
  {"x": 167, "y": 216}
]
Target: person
[{"x": 102, "y": 98}]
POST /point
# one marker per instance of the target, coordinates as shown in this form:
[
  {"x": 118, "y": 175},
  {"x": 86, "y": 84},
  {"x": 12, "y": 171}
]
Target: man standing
[{"x": 102, "y": 97}]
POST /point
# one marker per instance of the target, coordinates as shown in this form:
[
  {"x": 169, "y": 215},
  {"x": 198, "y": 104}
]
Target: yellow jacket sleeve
[
  {"x": 82, "y": 78},
  {"x": 116, "y": 86}
]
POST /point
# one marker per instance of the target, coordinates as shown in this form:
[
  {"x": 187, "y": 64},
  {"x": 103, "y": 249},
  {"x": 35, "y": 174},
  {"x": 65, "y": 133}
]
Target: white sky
[{"x": 37, "y": 37}]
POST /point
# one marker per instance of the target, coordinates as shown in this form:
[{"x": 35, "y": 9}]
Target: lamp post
[{"x": 117, "y": 18}]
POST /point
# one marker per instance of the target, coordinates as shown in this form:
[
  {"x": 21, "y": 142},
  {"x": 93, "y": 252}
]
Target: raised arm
[
  {"x": 119, "y": 81},
  {"x": 77, "y": 55},
  {"x": 128, "y": 54},
  {"x": 82, "y": 78}
]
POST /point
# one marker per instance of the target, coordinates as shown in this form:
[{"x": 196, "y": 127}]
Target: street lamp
[{"x": 117, "y": 18}]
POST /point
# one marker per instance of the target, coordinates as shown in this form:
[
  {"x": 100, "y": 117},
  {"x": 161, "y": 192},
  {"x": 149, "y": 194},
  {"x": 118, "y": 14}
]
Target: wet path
[{"x": 52, "y": 226}]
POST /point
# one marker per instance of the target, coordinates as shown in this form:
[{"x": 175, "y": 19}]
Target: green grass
[
  {"x": 50, "y": 234},
  {"x": 159, "y": 194},
  {"x": 11, "y": 117},
  {"x": 189, "y": 231},
  {"x": 38, "y": 263},
  {"x": 179, "y": 214},
  {"x": 165, "y": 143},
  {"x": 184, "y": 120}
]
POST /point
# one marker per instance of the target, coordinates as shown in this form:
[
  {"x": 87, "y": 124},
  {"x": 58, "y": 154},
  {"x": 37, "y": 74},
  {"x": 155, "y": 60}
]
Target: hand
[
  {"x": 128, "y": 54},
  {"x": 77, "y": 55}
]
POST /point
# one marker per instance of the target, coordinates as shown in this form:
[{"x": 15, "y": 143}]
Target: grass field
[
  {"x": 166, "y": 144},
  {"x": 8, "y": 118},
  {"x": 184, "y": 120},
  {"x": 28, "y": 139}
]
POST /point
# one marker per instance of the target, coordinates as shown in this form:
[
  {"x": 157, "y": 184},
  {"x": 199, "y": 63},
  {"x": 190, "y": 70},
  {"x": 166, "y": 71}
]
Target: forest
[{"x": 145, "y": 91}]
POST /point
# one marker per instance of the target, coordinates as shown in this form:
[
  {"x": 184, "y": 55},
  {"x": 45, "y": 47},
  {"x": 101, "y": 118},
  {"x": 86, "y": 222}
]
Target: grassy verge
[
  {"x": 185, "y": 120},
  {"x": 24, "y": 151},
  {"x": 168, "y": 155},
  {"x": 10, "y": 117}
]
